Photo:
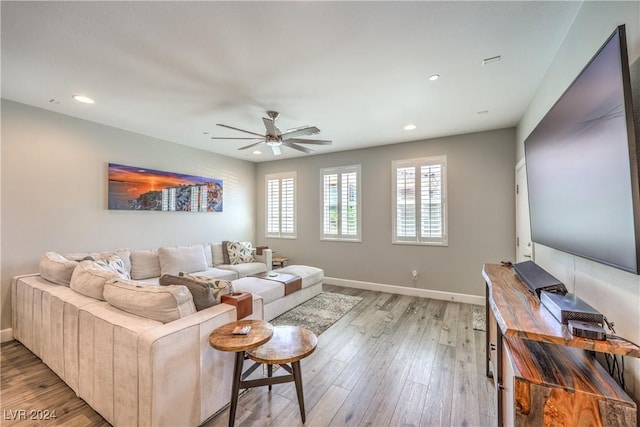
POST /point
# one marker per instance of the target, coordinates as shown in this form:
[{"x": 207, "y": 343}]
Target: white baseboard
[
  {"x": 6, "y": 335},
  {"x": 403, "y": 290}
]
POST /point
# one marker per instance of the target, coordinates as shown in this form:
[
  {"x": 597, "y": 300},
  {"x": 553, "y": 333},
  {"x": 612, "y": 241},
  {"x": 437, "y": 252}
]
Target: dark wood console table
[{"x": 542, "y": 374}]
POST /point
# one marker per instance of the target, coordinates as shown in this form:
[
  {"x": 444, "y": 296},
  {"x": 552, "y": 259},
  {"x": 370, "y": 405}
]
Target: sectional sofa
[{"x": 135, "y": 351}]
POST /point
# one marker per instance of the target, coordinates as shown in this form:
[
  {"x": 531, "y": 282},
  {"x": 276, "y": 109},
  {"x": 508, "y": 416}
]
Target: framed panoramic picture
[{"x": 140, "y": 189}]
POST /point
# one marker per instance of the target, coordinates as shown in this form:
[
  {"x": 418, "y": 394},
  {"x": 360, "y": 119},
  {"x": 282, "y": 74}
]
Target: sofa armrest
[
  {"x": 179, "y": 369},
  {"x": 266, "y": 258},
  {"x": 138, "y": 371}
]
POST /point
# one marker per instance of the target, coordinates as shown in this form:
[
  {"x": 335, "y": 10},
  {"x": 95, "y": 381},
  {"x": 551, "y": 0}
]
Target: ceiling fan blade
[
  {"x": 240, "y": 130},
  {"x": 226, "y": 137},
  {"x": 297, "y": 147},
  {"x": 301, "y": 131},
  {"x": 250, "y": 145},
  {"x": 271, "y": 127},
  {"x": 276, "y": 150},
  {"x": 310, "y": 141}
]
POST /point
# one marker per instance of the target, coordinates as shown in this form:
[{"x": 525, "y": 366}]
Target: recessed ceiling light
[
  {"x": 409, "y": 127},
  {"x": 434, "y": 77},
  {"x": 483, "y": 112},
  {"x": 54, "y": 101},
  {"x": 257, "y": 152},
  {"x": 84, "y": 99},
  {"x": 205, "y": 133}
]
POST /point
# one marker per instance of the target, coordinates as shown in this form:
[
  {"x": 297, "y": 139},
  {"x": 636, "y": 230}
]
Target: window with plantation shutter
[
  {"x": 340, "y": 203},
  {"x": 280, "y": 192},
  {"x": 419, "y": 195}
]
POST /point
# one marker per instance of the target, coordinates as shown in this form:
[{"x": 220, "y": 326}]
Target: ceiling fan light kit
[{"x": 275, "y": 139}]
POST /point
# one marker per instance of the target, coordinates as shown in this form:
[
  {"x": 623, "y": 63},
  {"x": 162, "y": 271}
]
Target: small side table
[
  {"x": 222, "y": 339},
  {"x": 289, "y": 344},
  {"x": 279, "y": 261}
]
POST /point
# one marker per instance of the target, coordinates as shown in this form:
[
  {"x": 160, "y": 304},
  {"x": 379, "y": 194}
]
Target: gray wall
[
  {"x": 481, "y": 214},
  {"x": 54, "y": 192},
  {"x": 613, "y": 292},
  {"x": 54, "y": 197}
]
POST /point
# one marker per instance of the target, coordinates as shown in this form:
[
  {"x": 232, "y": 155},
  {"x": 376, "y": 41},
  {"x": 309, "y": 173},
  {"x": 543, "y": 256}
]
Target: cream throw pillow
[
  {"x": 89, "y": 277},
  {"x": 56, "y": 268},
  {"x": 161, "y": 303}
]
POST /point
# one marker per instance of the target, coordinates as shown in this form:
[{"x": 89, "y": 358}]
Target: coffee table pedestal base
[{"x": 240, "y": 382}]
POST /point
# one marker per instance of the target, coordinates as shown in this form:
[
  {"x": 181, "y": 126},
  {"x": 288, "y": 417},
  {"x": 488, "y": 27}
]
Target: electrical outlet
[{"x": 414, "y": 274}]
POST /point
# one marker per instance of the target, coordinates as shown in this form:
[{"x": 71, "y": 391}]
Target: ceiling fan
[{"x": 274, "y": 138}]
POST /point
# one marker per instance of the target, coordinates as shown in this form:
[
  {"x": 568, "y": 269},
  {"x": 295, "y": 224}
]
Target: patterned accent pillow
[
  {"x": 116, "y": 264},
  {"x": 240, "y": 252},
  {"x": 206, "y": 291},
  {"x": 218, "y": 287},
  {"x": 56, "y": 268}
]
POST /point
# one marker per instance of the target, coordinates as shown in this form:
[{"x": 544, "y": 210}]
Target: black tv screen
[{"x": 582, "y": 166}]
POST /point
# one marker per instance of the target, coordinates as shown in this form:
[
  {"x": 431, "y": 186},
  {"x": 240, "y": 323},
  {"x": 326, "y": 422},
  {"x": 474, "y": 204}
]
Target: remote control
[{"x": 241, "y": 330}]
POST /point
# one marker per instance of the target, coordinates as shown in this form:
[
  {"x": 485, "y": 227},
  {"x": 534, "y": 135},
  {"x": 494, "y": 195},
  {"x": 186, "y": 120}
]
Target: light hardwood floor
[{"x": 391, "y": 361}]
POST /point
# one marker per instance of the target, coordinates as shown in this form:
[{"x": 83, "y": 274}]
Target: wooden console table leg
[
  {"x": 487, "y": 344},
  {"x": 499, "y": 377},
  {"x": 297, "y": 376},
  {"x": 235, "y": 388}
]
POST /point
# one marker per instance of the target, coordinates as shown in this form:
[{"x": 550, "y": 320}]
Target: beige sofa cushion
[
  {"x": 145, "y": 264},
  {"x": 123, "y": 253},
  {"x": 188, "y": 259},
  {"x": 216, "y": 254},
  {"x": 161, "y": 303},
  {"x": 208, "y": 254},
  {"x": 269, "y": 290},
  {"x": 56, "y": 268},
  {"x": 310, "y": 275},
  {"x": 89, "y": 277},
  {"x": 245, "y": 269}
]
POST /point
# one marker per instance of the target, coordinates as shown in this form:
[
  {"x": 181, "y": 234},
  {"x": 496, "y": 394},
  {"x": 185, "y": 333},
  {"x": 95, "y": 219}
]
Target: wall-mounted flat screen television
[{"x": 582, "y": 165}]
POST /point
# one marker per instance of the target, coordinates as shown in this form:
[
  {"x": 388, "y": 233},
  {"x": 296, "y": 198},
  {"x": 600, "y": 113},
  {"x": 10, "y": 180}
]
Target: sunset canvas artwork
[{"x": 136, "y": 188}]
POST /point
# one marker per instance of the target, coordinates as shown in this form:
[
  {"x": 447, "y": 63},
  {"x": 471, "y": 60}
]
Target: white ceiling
[{"x": 357, "y": 70}]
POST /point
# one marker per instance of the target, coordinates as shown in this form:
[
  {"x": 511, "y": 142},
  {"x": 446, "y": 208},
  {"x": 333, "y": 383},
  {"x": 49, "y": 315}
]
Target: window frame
[
  {"x": 418, "y": 163},
  {"x": 279, "y": 177},
  {"x": 339, "y": 171}
]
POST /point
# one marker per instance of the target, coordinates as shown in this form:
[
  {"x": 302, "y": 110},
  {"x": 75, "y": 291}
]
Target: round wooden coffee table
[
  {"x": 289, "y": 344},
  {"x": 224, "y": 340}
]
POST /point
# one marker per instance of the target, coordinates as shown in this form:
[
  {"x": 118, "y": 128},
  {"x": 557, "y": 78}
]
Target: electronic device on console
[
  {"x": 570, "y": 307},
  {"x": 537, "y": 279},
  {"x": 589, "y": 330}
]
